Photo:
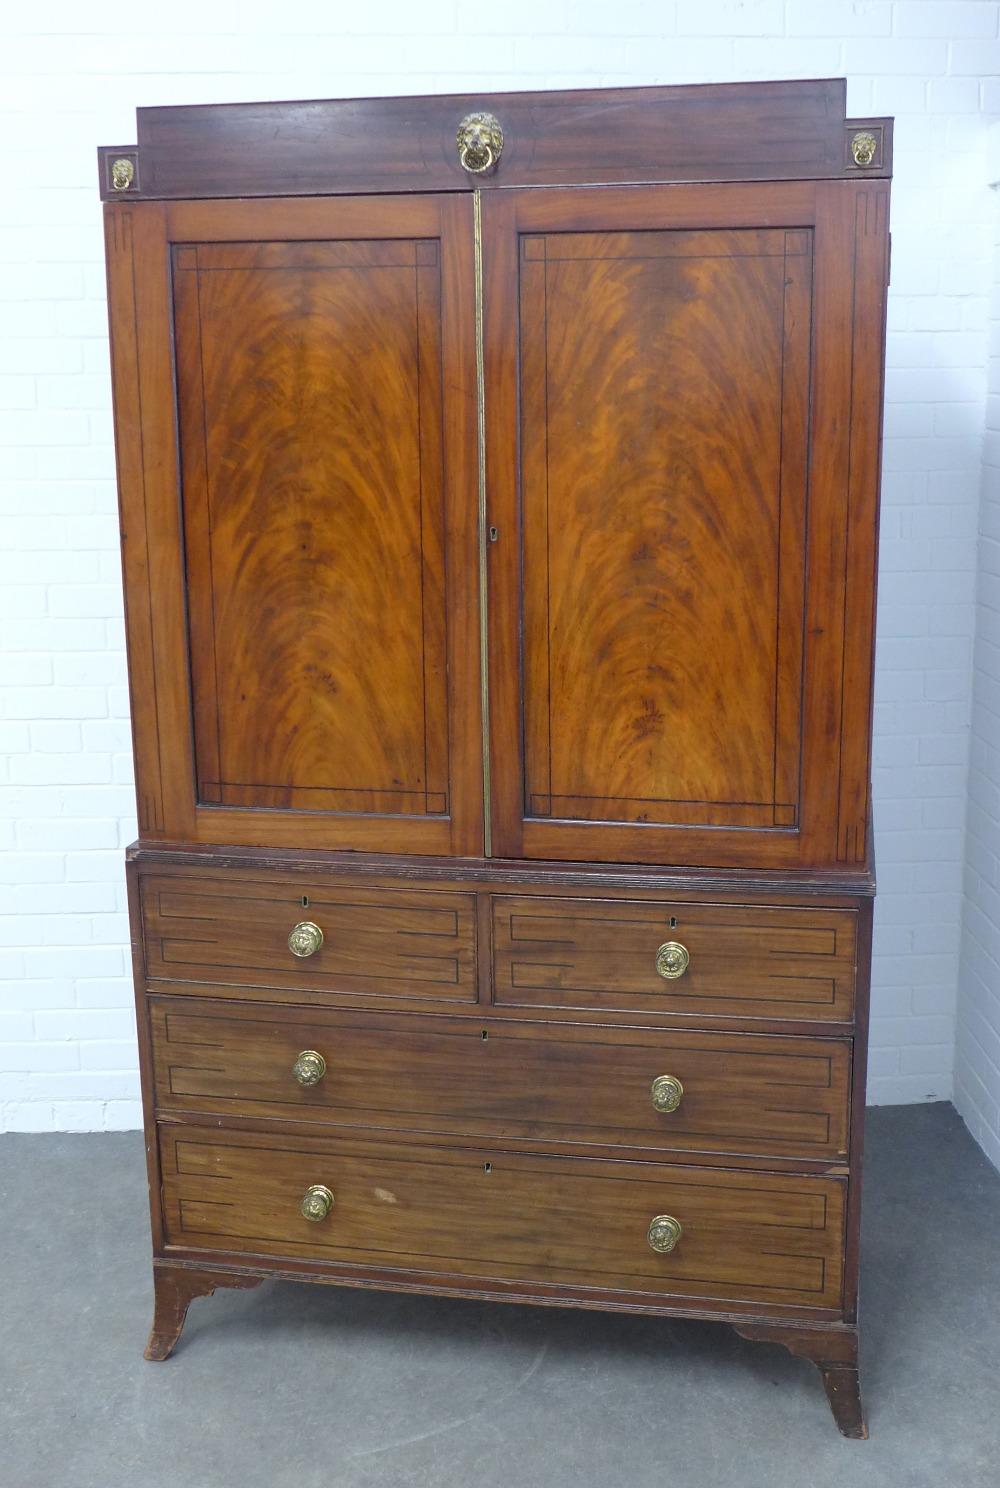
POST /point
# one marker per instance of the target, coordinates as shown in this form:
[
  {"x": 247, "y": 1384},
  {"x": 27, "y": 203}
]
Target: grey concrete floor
[{"x": 310, "y": 1385}]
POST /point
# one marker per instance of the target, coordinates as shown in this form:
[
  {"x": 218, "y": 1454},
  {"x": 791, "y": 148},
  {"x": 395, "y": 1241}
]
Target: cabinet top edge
[
  {"x": 858, "y": 882},
  {"x": 612, "y": 136}
]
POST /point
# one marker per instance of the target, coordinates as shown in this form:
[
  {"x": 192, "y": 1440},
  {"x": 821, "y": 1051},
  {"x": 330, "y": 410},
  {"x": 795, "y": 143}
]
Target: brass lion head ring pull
[
  {"x": 479, "y": 140},
  {"x": 863, "y": 147},
  {"x": 122, "y": 174}
]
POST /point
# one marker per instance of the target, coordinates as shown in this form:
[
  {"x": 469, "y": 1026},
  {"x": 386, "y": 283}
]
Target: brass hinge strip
[{"x": 483, "y": 574}]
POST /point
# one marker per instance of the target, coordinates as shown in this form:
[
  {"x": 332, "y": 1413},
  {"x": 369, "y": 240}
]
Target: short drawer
[
  {"x": 746, "y": 961},
  {"x": 476, "y": 1212},
  {"x": 570, "y": 1084},
  {"x": 385, "y": 944}
]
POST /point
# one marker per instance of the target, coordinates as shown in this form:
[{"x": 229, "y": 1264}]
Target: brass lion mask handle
[
  {"x": 479, "y": 140},
  {"x": 122, "y": 174},
  {"x": 863, "y": 147}
]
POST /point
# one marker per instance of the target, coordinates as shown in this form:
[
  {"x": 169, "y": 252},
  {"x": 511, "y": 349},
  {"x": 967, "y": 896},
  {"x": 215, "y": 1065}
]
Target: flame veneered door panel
[
  {"x": 310, "y": 397},
  {"x": 663, "y": 652}
]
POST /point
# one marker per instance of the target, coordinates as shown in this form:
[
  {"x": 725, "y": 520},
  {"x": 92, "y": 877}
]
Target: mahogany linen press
[{"x": 499, "y": 485}]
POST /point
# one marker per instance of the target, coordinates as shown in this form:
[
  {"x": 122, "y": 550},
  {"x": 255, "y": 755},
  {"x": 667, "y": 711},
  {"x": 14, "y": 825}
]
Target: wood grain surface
[
  {"x": 673, "y": 585},
  {"x": 401, "y": 942},
  {"x": 755, "y": 131},
  {"x": 664, "y": 401},
  {"x": 309, "y": 385},
  {"x": 471, "y": 1211},
  {"x": 327, "y": 540},
  {"x": 841, "y": 886},
  {"x": 666, "y": 686},
  {"x": 665, "y": 388},
  {"x": 561, "y": 1083},
  {"x": 745, "y": 961}
]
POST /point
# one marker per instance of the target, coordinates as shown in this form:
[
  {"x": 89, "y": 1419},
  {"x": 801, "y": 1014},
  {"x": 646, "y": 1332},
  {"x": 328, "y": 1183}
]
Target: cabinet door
[
  {"x": 682, "y": 415},
  {"x": 297, "y": 431}
]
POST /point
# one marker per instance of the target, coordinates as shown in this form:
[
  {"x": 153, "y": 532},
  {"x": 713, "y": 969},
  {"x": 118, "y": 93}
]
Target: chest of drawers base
[{"x": 591, "y": 1087}]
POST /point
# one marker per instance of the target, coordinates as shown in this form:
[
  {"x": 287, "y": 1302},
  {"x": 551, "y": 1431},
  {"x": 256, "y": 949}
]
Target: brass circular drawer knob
[
  {"x": 305, "y": 939},
  {"x": 479, "y": 140},
  {"x": 309, "y": 1068},
  {"x": 672, "y": 960},
  {"x": 665, "y": 1093},
  {"x": 317, "y": 1202},
  {"x": 663, "y": 1233}
]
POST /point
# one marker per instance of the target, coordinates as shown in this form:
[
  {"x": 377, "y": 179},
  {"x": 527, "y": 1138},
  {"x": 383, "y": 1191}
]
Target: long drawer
[
  {"x": 786, "y": 1097},
  {"x": 480, "y": 1212},
  {"x": 745, "y": 960},
  {"x": 387, "y": 944}
]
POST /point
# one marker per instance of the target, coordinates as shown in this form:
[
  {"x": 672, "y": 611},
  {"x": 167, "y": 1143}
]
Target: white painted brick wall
[
  {"x": 71, "y": 76},
  {"x": 977, "y": 1052}
]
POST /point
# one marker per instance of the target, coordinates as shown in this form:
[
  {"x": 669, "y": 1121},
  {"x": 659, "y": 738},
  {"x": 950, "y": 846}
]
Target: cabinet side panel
[
  {"x": 133, "y": 886},
  {"x": 120, "y": 254},
  {"x": 145, "y": 438},
  {"x": 871, "y": 269},
  {"x": 852, "y": 1256}
]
